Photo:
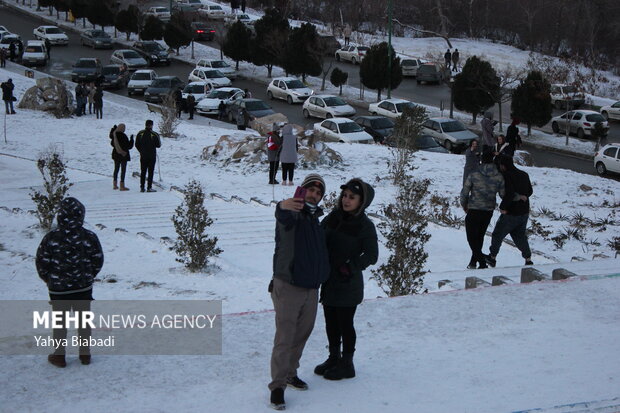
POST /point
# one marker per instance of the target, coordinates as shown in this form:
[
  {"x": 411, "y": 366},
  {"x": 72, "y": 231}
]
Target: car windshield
[
  {"x": 213, "y": 74},
  {"x": 256, "y": 105},
  {"x": 215, "y": 8},
  {"x": 100, "y": 34},
  {"x": 86, "y": 63},
  {"x": 243, "y": 17},
  {"x": 141, "y": 76},
  {"x": 425, "y": 141},
  {"x": 349, "y": 127},
  {"x": 407, "y": 62},
  {"x": 569, "y": 89},
  {"x": 382, "y": 123},
  {"x": 161, "y": 10},
  {"x": 426, "y": 68},
  {"x": 195, "y": 89},
  {"x": 34, "y": 49},
  {"x": 111, "y": 70},
  {"x": 161, "y": 83},
  {"x": 152, "y": 47},
  {"x": 53, "y": 30},
  {"x": 219, "y": 64},
  {"x": 294, "y": 84},
  {"x": 453, "y": 126},
  {"x": 194, "y": 2},
  {"x": 401, "y": 106},
  {"x": 130, "y": 54},
  {"x": 9, "y": 39},
  {"x": 595, "y": 117},
  {"x": 334, "y": 101},
  {"x": 218, "y": 94}
]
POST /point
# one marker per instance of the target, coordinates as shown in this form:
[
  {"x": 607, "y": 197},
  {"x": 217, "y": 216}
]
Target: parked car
[
  {"x": 35, "y": 53},
  {"x": 162, "y": 87},
  {"x": 326, "y": 106},
  {"x": 202, "y": 31},
  {"x": 410, "y": 65},
  {"x": 342, "y": 130},
  {"x": 353, "y": 54},
  {"x": 162, "y": 13},
  {"x": 239, "y": 17},
  {"x": 212, "y": 12},
  {"x": 96, "y": 39},
  {"x": 86, "y": 69},
  {"x": 429, "y": 144},
  {"x": 607, "y": 159},
  {"x": 4, "y": 29},
  {"x": 392, "y": 108},
  {"x": 113, "y": 76},
  {"x": 379, "y": 127},
  {"x": 189, "y": 5},
  {"x": 213, "y": 76},
  {"x": 9, "y": 38},
  {"x": 221, "y": 65},
  {"x": 288, "y": 88},
  {"x": 580, "y": 122},
  {"x": 129, "y": 58},
  {"x": 198, "y": 89},
  {"x": 153, "y": 52},
  {"x": 450, "y": 133},
  {"x": 611, "y": 111},
  {"x": 140, "y": 81},
  {"x": 566, "y": 97},
  {"x": 432, "y": 73},
  {"x": 51, "y": 33},
  {"x": 255, "y": 107},
  {"x": 210, "y": 104},
  {"x": 329, "y": 44}
]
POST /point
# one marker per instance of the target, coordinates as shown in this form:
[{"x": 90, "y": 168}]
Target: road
[{"x": 63, "y": 57}]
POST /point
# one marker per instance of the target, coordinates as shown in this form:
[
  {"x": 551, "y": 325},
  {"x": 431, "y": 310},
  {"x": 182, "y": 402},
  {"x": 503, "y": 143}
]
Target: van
[
  {"x": 35, "y": 53},
  {"x": 410, "y": 65}
]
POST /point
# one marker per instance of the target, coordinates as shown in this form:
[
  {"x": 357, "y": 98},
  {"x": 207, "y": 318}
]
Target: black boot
[
  {"x": 277, "y": 399},
  {"x": 331, "y": 362},
  {"x": 343, "y": 370}
]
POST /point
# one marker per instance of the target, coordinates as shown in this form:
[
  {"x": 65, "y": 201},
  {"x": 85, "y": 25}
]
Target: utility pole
[{"x": 389, "y": 90}]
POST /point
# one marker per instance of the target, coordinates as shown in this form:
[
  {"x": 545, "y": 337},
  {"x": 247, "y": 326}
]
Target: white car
[
  {"x": 450, "y": 133},
  {"x": 9, "y": 38},
  {"x": 409, "y": 65},
  {"x": 212, "y": 12},
  {"x": 199, "y": 89},
  {"x": 140, "y": 81},
  {"x": 390, "y": 108},
  {"x": 221, "y": 65},
  {"x": 190, "y": 4},
  {"x": 241, "y": 17},
  {"x": 580, "y": 122},
  {"x": 34, "y": 54},
  {"x": 565, "y": 97},
  {"x": 288, "y": 88},
  {"x": 213, "y": 76},
  {"x": 607, "y": 159},
  {"x": 342, "y": 130},
  {"x": 209, "y": 105},
  {"x": 51, "y": 33},
  {"x": 353, "y": 54},
  {"x": 326, "y": 106},
  {"x": 129, "y": 58},
  {"x": 162, "y": 13},
  {"x": 611, "y": 111}
]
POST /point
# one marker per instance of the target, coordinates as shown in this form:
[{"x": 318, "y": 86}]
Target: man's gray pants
[{"x": 296, "y": 309}]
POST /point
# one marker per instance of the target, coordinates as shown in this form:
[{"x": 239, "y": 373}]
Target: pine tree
[
  {"x": 79, "y": 9},
  {"x": 531, "y": 101},
  {"x": 269, "y": 44},
  {"x": 190, "y": 220},
  {"x": 237, "y": 43},
  {"x": 338, "y": 78},
  {"x": 101, "y": 12},
  {"x": 55, "y": 187},
  {"x": 126, "y": 20},
  {"x": 153, "y": 29},
  {"x": 178, "y": 32},
  {"x": 301, "y": 52},
  {"x": 476, "y": 88},
  {"x": 374, "y": 72}
]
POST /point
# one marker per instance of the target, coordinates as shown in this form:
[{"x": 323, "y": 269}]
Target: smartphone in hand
[{"x": 300, "y": 192}]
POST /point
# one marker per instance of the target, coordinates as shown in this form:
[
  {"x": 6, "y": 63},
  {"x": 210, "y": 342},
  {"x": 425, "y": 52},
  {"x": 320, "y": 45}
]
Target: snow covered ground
[{"x": 508, "y": 348}]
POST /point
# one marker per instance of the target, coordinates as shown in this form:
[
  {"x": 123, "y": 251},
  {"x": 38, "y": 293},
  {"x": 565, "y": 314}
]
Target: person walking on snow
[
  {"x": 448, "y": 59},
  {"x": 488, "y": 136},
  {"x": 120, "y": 153},
  {"x": 300, "y": 266},
  {"x": 352, "y": 246},
  {"x": 455, "y": 60},
  {"x": 98, "y": 102},
  {"x": 147, "y": 143},
  {"x": 274, "y": 145},
  {"x": 68, "y": 260},
  {"x": 512, "y": 134},
  {"x": 288, "y": 154},
  {"x": 346, "y": 33},
  {"x": 191, "y": 104},
  {"x": 7, "y": 96},
  {"x": 478, "y": 199},
  {"x": 472, "y": 159}
]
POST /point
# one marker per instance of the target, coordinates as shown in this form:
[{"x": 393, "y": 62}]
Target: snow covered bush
[
  {"x": 190, "y": 220},
  {"x": 169, "y": 121}
]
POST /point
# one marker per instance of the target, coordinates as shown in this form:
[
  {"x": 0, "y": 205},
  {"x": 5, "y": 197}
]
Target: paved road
[{"x": 62, "y": 58}]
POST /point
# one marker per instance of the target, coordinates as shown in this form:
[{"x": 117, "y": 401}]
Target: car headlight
[
  {"x": 147, "y": 94},
  {"x": 153, "y": 56}
]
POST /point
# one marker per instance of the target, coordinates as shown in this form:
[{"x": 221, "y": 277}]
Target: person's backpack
[{"x": 271, "y": 144}]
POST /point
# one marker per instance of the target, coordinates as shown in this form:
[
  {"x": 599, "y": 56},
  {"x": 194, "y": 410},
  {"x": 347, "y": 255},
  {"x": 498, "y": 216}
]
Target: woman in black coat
[
  {"x": 120, "y": 153},
  {"x": 352, "y": 246}
]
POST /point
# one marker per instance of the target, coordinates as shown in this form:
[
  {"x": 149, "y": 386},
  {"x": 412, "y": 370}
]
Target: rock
[
  {"x": 529, "y": 274},
  {"x": 585, "y": 188},
  {"x": 49, "y": 95},
  {"x": 265, "y": 124},
  {"x": 562, "y": 274},
  {"x": 441, "y": 283},
  {"x": 501, "y": 280},
  {"x": 523, "y": 158},
  {"x": 475, "y": 282}
]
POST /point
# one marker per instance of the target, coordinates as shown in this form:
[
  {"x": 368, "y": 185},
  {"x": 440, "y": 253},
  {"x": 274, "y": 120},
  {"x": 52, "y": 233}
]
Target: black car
[
  {"x": 329, "y": 44},
  {"x": 161, "y": 87},
  {"x": 153, "y": 52},
  {"x": 429, "y": 144},
  {"x": 96, "y": 39},
  {"x": 112, "y": 76},
  {"x": 202, "y": 31},
  {"x": 86, "y": 69},
  {"x": 379, "y": 127}
]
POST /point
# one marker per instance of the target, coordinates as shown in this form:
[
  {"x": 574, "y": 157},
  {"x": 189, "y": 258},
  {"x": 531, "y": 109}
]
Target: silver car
[
  {"x": 129, "y": 58},
  {"x": 96, "y": 39},
  {"x": 580, "y": 122},
  {"x": 450, "y": 133},
  {"x": 326, "y": 106}
]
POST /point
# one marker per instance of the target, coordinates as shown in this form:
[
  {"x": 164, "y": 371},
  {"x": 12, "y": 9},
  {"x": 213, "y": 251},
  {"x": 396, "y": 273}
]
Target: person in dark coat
[
  {"x": 191, "y": 105},
  {"x": 12, "y": 51},
  {"x": 512, "y": 135},
  {"x": 221, "y": 110},
  {"x": 2, "y": 57},
  {"x": 472, "y": 159},
  {"x": 274, "y": 145},
  {"x": 68, "y": 260},
  {"x": 48, "y": 48},
  {"x": 243, "y": 119},
  {"x": 98, "y": 102},
  {"x": 178, "y": 100},
  {"x": 243, "y": 5},
  {"x": 120, "y": 153},
  {"x": 455, "y": 60},
  {"x": 147, "y": 143},
  {"x": 352, "y": 245},
  {"x": 300, "y": 266},
  {"x": 7, "y": 96},
  {"x": 501, "y": 148},
  {"x": 448, "y": 59}
]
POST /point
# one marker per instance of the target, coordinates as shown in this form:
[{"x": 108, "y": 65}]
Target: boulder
[
  {"x": 523, "y": 158},
  {"x": 265, "y": 124},
  {"x": 49, "y": 95}
]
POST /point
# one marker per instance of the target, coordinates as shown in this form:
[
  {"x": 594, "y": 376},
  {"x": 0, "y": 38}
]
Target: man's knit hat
[{"x": 314, "y": 180}]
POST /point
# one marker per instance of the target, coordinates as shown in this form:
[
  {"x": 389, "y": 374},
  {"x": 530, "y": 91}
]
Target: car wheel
[
  {"x": 328, "y": 115},
  {"x": 580, "y": 133},
  {"x": 373, "y": 113},
  {"x": 555, "y": 127},
  {"x": 448, "y": 145},
  {"x": 306, "y": 113},
  {"x": 230, "y": 116},
  {"x": 558, "y": 104},
  {"x": 605, "y": 115},
  {"x": 289, "y": 100},
  {"x": 600, "y": 168},
  {"x": 270, "y": 95},
  {"x": 337, "y": 57},
  {"x": 353, "y": 60}
]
